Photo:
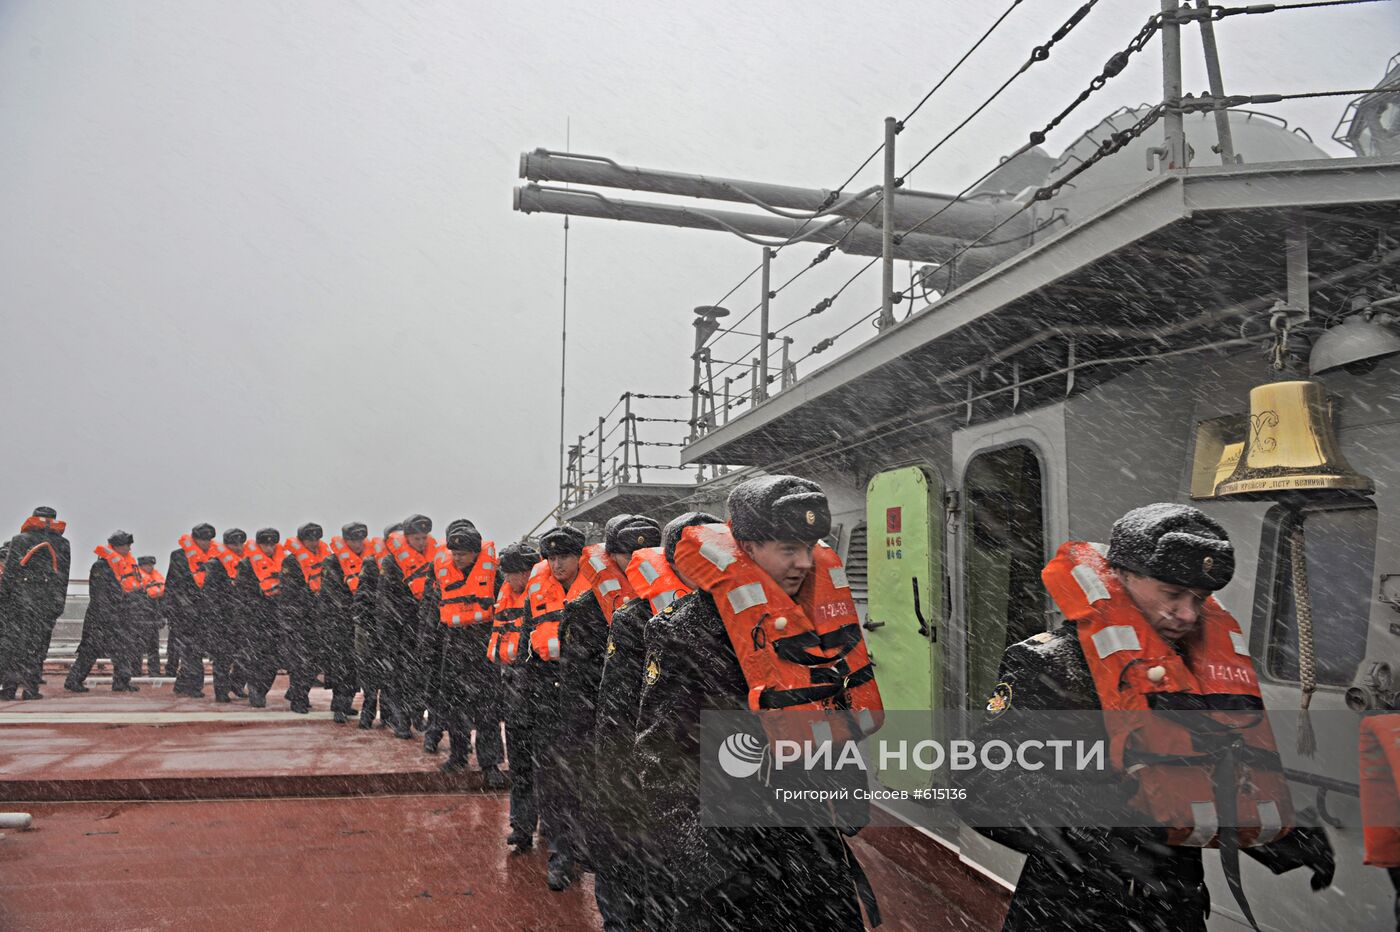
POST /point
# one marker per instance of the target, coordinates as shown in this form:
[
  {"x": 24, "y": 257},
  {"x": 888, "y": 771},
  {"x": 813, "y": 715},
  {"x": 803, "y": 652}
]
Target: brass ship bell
[{"x": 1290, "y": 446}]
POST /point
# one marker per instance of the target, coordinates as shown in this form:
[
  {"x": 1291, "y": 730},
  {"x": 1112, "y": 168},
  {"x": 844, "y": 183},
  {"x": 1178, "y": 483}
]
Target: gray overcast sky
[{"x": 258, "y": 264}]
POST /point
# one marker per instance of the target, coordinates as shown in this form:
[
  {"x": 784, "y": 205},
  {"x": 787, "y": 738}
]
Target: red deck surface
[{"x": 241, "y": 845}]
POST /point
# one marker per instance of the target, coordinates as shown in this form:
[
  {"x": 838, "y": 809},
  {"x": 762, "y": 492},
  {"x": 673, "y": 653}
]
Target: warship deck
[{"x": 155, "y": 811}]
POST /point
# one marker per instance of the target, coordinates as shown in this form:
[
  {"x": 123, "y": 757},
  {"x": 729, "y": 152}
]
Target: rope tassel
[{"x": 1307, "y": 656}]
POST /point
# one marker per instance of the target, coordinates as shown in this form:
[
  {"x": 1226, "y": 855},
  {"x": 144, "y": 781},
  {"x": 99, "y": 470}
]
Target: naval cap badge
[{"x": 811, "y": 517}]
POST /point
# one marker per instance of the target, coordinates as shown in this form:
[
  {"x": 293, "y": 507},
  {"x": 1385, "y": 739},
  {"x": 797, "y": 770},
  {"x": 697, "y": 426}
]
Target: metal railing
[{"x": 626, "y": 445}]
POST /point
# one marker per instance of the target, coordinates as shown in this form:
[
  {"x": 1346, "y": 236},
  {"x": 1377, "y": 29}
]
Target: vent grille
[{"x": 858, "y": 567}]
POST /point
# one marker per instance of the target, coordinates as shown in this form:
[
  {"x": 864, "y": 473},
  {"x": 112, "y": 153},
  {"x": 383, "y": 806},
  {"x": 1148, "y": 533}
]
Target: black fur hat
[
  {"x": 779, "y": 508},
  {"x": 311, "y": 531},
  {"x": 562, "y": 541},
  {"x": 203, "y": 532},
  {"x": 418, "y": 524},
  {"x": 235, "y": 537},
  {"x": 355, "y": 530},
  {"x": 268, "y": 535},
  {"x": 1177, "y": 544},
  {"x": 626, "y": 533},
  {"x": 117, "y": 538},
  {"x": 519, "y": 558}
]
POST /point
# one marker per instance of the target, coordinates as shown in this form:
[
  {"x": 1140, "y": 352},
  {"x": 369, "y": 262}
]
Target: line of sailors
[{"x": 599, "y": 660}]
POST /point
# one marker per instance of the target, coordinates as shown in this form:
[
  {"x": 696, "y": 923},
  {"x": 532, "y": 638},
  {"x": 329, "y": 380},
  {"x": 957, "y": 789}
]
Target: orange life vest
[
  {"x": 229, "y": 558},
  {"x": 1130, "y": 662},
  {"x": 416, "y": 567},
  {"x": 268, "y": 570},
  {"x": 507, "y": 626},
  {"x": 466, "y": 598},
  {"x": 309, "y": 560},
  {"x": 352, "y": 563},
  {"x": 196, "y": 557},
  {"x": 152, "y": 582},
  {"x": 807, "y": 654},
  {"x": 609, "y": 584},
  {"x": 35, "y": 523},
  {"x": 653, "y": 579},
  {"x": 1380, "y": 789},
  {"x": 547, "y": 598},
  {"x": 123, "y": 567}
]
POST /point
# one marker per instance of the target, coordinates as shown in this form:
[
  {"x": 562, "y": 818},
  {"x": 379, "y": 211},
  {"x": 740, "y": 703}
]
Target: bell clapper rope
[{"x": 1307, "y": 657}]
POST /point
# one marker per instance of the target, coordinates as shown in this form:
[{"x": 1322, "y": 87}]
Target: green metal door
[{"x": 905, "y": 552}]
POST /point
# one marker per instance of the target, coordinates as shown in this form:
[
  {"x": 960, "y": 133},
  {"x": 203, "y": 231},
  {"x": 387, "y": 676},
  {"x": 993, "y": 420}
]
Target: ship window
[
  {"x": 1005, "y": 554},
  {"x": 1340, "y": 544}
]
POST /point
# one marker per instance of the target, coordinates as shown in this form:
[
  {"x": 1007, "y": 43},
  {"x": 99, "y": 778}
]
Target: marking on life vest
[
  {"x": 597, "y": 563},
  {"x": 717, "y": 555},
  {"x": 1094, "y": 589},
  {"x": 1223, "y": 671},
  {"x": 1101, "y": 548},
  {"x": 746, "y": 597},
  {"x": 821, "y": 731},
  {"x": 663, "y": 600},
  {"x": 1114, "y": 638},
  {"x": 650, "y": 573},
  {"x": 1270, "y": 822},
  {"x": 609, "y": 585},
  {"x": 1237, "y": 639},
  {"x": 1000, "y": 700},
  {"x": 1205, "y": 824},
  {"x": 838, "y": 577},
  {"x": 653, "y": 672}
]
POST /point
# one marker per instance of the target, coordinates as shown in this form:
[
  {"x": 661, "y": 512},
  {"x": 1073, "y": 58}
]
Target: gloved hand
[{"x": 1305, "y": 846}]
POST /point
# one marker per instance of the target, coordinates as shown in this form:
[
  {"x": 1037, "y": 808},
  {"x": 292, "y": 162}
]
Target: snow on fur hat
[
  {"x": 417, "y": 524},
  {"x": 310, "y": 531},
  {"x": 268, "y": 535},
  {"x": 119, "y": 537},
  {"x": 462, "y": 535},
  {"x": 519, "y": 558},
  {"x": 202, "y": 532},
  {"x": 626, "y": 533},
  {"x": 235, "y": 537},
  {"x": 355, "y": 530},
  {"x": 562, "y": 541},
  {"x": 671, "y": 534},
  {"x": 779, "y": 508},
  {"x": 1177, "y": 544}
]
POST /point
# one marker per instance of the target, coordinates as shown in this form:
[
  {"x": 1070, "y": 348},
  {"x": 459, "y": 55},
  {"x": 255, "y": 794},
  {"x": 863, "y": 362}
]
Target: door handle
[{"x": 924, "y": 629}]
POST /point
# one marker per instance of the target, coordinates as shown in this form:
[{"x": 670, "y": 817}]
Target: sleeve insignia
[{"x": 1000, "y": 700}]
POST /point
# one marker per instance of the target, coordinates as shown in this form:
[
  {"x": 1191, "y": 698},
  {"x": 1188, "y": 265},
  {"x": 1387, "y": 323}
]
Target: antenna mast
[{"x": 564, "y": 338}]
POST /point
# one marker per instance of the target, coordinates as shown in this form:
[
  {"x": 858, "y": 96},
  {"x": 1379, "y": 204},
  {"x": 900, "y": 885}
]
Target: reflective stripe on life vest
[
  {"x": 466, "y": 598},
  {"x": 653, "y": 578},
  {"x": 36, "y": 523},
  {"x": 508, "y": 624},
  {"x": 1132, "y": 665},
  {"x": 608, "y": 583},
  {"x": 309, "y": 560},
  {"x": 805, "y": 654},
  {"x": 123, "y": 567},
  {"x": 416, "y": 567}
]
